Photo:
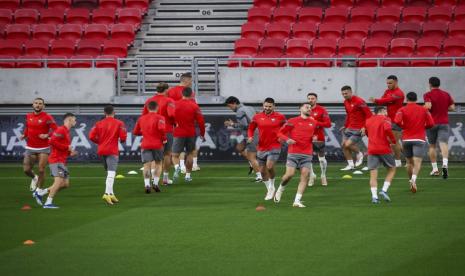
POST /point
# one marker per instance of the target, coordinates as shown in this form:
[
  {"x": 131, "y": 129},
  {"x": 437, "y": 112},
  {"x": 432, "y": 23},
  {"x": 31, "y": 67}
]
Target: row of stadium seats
[
  {"x": 47, "y": 32},
  {"x": 352, "y": 30},
  {"x": 65, "y": 4},
  {"x": 75, "y": 16},
  {"x": 361, "y": 14},
  {"x": 63, "y": 62},
  {"x": 356, "y": 3},
  {"x": 63, "y": 47}
]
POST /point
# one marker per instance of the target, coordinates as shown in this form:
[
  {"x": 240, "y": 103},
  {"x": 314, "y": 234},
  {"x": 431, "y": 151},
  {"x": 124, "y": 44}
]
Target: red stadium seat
[
  {"x": 401, "y": 62},
  {"x": 366, "y": 60},
  {"x": 418, "y": 62},
  {"x": 310, "y": 15},
  {"x": 86, "y": 4},
  {"x": 143, "y": 5},
  {"x": 62, "y": 47},
  {"x": 323, "y": 46},
  {"x": 457, "y": 30},
  {"x": 103, "y": 16},
  {"x": 356, "y": 30},
  {"x": 293, "y": 63},
  {"x": 436, "y": 30},
  {"x": 78, "y": 16},
  {"x": 81, "y": 61},
  {"x": 290, "y": 3},
  {"x": 33, "y": 4},
  {"x": 265, "y": 3},
  {"x": 441, "y": 14},
  {"x": 317, "y": 3},
  {"x": 123, "y": 32},
  {"x": 267, "y": 62},
  {"x": 392, "y": 3},
  {"x": 18, "y": 31},
  {"x": 57, "y": 63},
  {"x": 59, "y": 4},
  {"x": 459, "y": 14},
  {"x": 246, "y": 46},
  {"x": 428, "y": 47},
  {"x": 6, "y": 17},
  {"x": 253, "y": 30},
  {"x": 445, "y": 3},
  {"x": 45, "y": 32},
  {"x": 278, "y": 30},
  {"x": 411, "y": 30},
  {"x": 454, "y": 46},
  {"x": 26, "y": 16},
  {"x": 419, "y": 3},
  {"x": 111, "y": 4},
  {"x": 29, "y": 63},
  {"x": 70, "y": 32},
  {"x": 2, "y": 32},
  {"x": 382, "y": 30},
  {"x": 376, "y": 46},
  {"x": 115, "y": 47},
  {"x": 111, "y": 62},
  {"x": 362, "y": 15},
  {"x": 402, "y": 46},
  {"x": 388, "y": 15},
  {"x": 298, "y": 46},
  {"x": 272, "y": 46},
  {"x": 350, "y": 46},
  {"x": 96, "y": 31},
  {"x": 90, "y": 47},
  {"x": 304, "y": 30},
  {"x": 242, "y": 63},
  {"x": 414, "y": 14},
  {"x": 367, "y": 3},
  {"x": 11, "y": 47},
  {"x": 52, "y": 16},
  {"x": 451, "y": 60},
  {"x": 9, "y": 4},
  {"x": 336, "y": 15},
  {"x": 330, "y": 30},
  {"x": 342, "y": 3},
  {"x": 259, "y": 15},
  {"x": 130, "y": 16},
  {"x": 323, "y": 62},
  {"x": 7, "y": 61},
  {"x": 285, "y": 15}
]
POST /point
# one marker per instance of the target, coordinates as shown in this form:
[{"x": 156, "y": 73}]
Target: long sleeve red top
[
  {"x": 378, "y": 128},
  {"x": 36, "y": 124},
  {"x": 268, "y": 128},
  {"x": 166, "y": 107},
  {"x": 186, "y": 115},
  {"x": 357, "y": 112},
  {"x": 393, "y": 100},
  {"x": 321, "y": 116},
  {"x": 151, "y": 127},
  {"x": 301, "y": 131},
  {"x": 106, "y": 134},
  {"x": 59, "y": 142},
  {"x": 414, "y": 120}
]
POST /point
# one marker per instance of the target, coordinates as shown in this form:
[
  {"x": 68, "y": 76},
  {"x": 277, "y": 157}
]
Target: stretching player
[
  {"x": 320, "y": 114},
  {"x": 413, "y": 119},
  {"x": 357, "y": 113},
  {"x": 38, "y": 127},
  {"x": 166, "y": 109},
  {"x": 393, "y": 98},
  {"x": 380, "y": 137},
  {"x": 106, "y": 134},
  {"x": 60, "y": 143},
  {"x": 298, "y": 133},
  {"x": 268, "y": 124},
  {"x": 244, "y": 115},
  {"x": 439, "y": 103},
  {"x": 151, "y": 127}
]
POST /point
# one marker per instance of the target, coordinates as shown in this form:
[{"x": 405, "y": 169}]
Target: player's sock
[
  {"x": 374, "y": 192},
  {"x": 445, "y": 162},
  {"x": 435, "y": 166},
  {"x": 281, "y": 188},
  {"x": 188, "y": 175},
  {"x": 195, "y": 162},
  {"x": 182, "y": 163},
  {"x": 272, "y": 180},
  {"x": 176, "y": 166},
  {"x": 156, "y": 180},
  {"x": 259, "y": 175},
  {"x": 43, "y": 192},
  {"x": 398, "y": 163},
  {"x": 268, "y": 184},
  {"x": 386, "y": 186},
  {"x": 351, "y": 163},
  {"x": 49, "y": 200},
  {"x": 323, "y": 165},
  {"x": 165, "y": 176},
  {"x": 298, "y": 197},
  {"x": 147, "y": 182},
  {"x": 414, "y": 178},
  {"x": 109, "y": 182}
]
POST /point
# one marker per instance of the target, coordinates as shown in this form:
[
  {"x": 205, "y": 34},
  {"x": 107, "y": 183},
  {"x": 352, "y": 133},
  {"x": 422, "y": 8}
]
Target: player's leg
[
  {"x": 261, "y": 159},
  {"x": 304, "y": 174},
  {"x": 290, "y": 171},
  {"x": 182, "y": 161},
  {"x": 323, "y": 165},
  {"x": 43, "y": 159},
  {"x": 372, "y": 164},
  {"x": 432, "y": 135},
  {"x": 389, "y": 162},
  {"x": 347, "y": 148},
  {"x": 443, "y": 138},
  {"x": 28, "y": 164},
  {"x": 147, "y": 174},
  {"x": 109, "y": 180},
  {"x": 190, "y": 148},
  {"x": 195, "y": 165},
  {"x": 156, "y": 173},
  {"x": 252, "y": 158},
  {"x": 397, "y": 148},
  {"x": 60, "y": 181},
  {"x": 178, "y": 147}
]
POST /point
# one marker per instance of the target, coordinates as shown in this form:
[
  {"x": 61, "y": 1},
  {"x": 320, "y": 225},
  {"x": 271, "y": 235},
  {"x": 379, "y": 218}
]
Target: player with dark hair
[
  {"x": 393, "y": 98},
  {"x": 380, "y": 137},
  {"x": 439, "y": 103},
  {"x": 414, "y": 120},
  {"x": 268, "y": 124},
  {"x": 106, "y": 133}
]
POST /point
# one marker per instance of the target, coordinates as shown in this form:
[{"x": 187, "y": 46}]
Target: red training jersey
[
  {"x": 151, "y": 127},
  {"x": 59, "y": 142},
  {"x": 36, "y": 124},
  {"x": 268, "y": 128},
  {"x": 357, "y": 112},
  {"x": 175, "y": 93},
  {"x": 414, "y": 119},
  {"x": 165, "y": 108},
  {"x": 186, "y": 114},
  {"x": 301, "y": 131},
  {"x": 393, "y": 100},
  {"x": 378, "y": 128},
  {"x": 106, "y": 134},
  {"x": 321, "y": 116},
  {"x": 440, "y": 101}
]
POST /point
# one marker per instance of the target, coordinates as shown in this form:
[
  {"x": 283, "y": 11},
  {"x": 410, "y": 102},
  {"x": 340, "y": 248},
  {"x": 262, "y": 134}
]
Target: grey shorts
[
  {"x": 414, "y": 148},
  {"x": 355, "y": 135},
  {"x": 110, "y": 162},
  {"x": 439, "y": 133},
  {"x": 251, "y": 147},
  {"x": 169, "y": 143},
  {"x": 396, "y": 127},
  {"x": 184, "y": 144},
  {"x": 271, "y": 155},
  {"x": 151, "y": 155},
  {"x": 59, "y": 170},
  {"x": 299, "y": 161},
  {"x": 319, "y": 147},
  {"x": 36, "y": 151},
  {"x": 373, "y": 161}
]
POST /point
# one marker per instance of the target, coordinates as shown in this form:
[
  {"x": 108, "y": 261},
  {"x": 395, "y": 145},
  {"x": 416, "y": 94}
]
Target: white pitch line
[{"x": 239, "y": 177}]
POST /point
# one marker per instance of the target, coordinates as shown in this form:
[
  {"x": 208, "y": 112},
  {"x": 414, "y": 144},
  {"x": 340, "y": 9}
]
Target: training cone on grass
[
  {"x": 26, "y": 208},
  {"x": 347, "y": 176},
  {"x": 357, "y": 172},
  {"x": 119, "y": 176},
  {"x": 132, "y": 172},
  {"x": 260, "y": 208},
  {"x": 28, "y": 242}
]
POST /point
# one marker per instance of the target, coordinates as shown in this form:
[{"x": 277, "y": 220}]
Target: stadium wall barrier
[
  {"x": 291, "y": 85},
  {"x": 58, "y": 86},
  {"x": 218, "y": 147}
]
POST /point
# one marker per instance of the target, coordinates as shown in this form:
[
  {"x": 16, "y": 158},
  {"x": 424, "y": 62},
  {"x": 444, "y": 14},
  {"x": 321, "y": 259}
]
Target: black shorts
[
  {"x": 414, "y": 148},
  {"x": 110, "y": 162},
  {"x": 184, "y": 144},
  {"x": 151, "y": 155}
]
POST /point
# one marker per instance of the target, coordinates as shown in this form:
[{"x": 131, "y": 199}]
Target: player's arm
[
  {"x": 429, "y": 120},
  {"x": 57, "y": 140},
  {"x": 170, "y": 108},
  {"x": 326, "y": 121},
  {"x": 427, "y": 100},
  {"x": 388, "y": 130},
  {"x": 123, "y": 133},
  {"x": 161, "y": 127},
  {"x": 347, "y": 121},
  {"x": 26, "y": 130},
  {"x": 398, "y": 119},
  {"x": 387, "y": 99},
  {"x": 137, "y": 130},
  {"x": 52, "y": 125},
  {"x": 366, "y": 110},
  {"x": 93, "y": 134},
  {"x": 200, "y": 121},
  {"x": 284, "y": 132},
  {"x": 145, "y": 109},
  {"x": 451, "y": 104},
  {"x": 252, "y": 127}
]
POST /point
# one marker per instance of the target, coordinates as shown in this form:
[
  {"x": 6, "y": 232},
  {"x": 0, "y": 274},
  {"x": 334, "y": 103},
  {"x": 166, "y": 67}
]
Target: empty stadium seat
[
  {"x": 330, "y": 30},
  {"x": 90, "y": 47},
  {"x": 362, "y": 15},
  {"x": 419, "y": 3},
  {"x": 459, "y": 13},
  {"x": 56, "y": 63},
  {"x": 96, "y": 31},
  {"x": 420, "y": 60},
  {"x": 62, "y": 47},
  {"x": 304, "y": 30},
  {"x": 293, "y": 63},
  {"x": 401, "y": 62},
  {"x": 436, "y": 30},
  {"x": 367, "y": 3},
  {"x": 11, "y": 47},
  {"x": 445, "y": 3},
  {"x": 123, "y": 32},
  {"x": 454, "y": 46},
  {"x": 392, "y": 3},
  {"x": 70, "y": 32},
  {"x": 242, "y": 63},
  {"x": 253, "y": 30},
  {"x": 130, "y": 16},
  {"x": 111, "y": 62},
  {"x": 115, "y": 47},
  {"x": 298, "y": 46},
  {"x": 111, "y": 4},
  {"x": 440, "y": 14},
  {"x": 143, "y": 5},
  {"x": 103, "y": 16},
  {"x": 2, "y": 32},
  {"x": 6, "y": 17},
  {"x": 272, "y": 46},
  {"x": 315, "y": 62},
  {"x": 368, "y": 60},
  {"x": 457, "y": 30},
  {"x": 317, "y": 3},
  {"x": 356, "y": 30},
  {"x": 310, "y": 15},
  {"x": 52, "y": 16},
  {"x": 290, "y": 3},
  {"x": 376, "y": 46},
  {"x": 451, "y": 60},
  {"x": 78, "y": 16},
  {"x": 81, "y": 61},
  {"x": 342, "y": 3},
  {"x": 278, "y": 30},
  {"x": 336, "y": 15},
  {"x": 29, "y": 63},
  {"x": 10, "y": 4},
  {"x": 428, "y": 47},
  {"x": 259, "y": 15},
  {"x": 246, "y": 46},
  {"x": 7, "y": 61},
  {"x": 411, "y": 30},
  {"x": 33, "y": 4},
  {"x": 59, "y": 4},
  {"x": 350, "y": 46},
  {"x": 272, "y": 62},
  {"x": 382, "y": 30},
  {"x": 388, "y": 15},
  {"x": 26, "y": 16},
  {"x": 414, "y": 14},
  {"x": 402, "y": 46},
  {"x": 322, "y": 46},
  {"x": 265, "y": 3},
  {"x": 45, "y": 32},
  {"x": 86, "y": 4},
  {"x": 284, "y": 15},
  {"x": 18, "y": 31}
]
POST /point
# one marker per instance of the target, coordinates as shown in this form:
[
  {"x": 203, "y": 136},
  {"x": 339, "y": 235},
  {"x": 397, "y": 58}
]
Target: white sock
[
  {"x": 445, "y": 162},
  {"x": 259, "y": 174},
  {"x": 188, "y": 175},
  {"x": 195, "y": 162},
  {"x": 398, "y": 163},
  {"x": 272, "y": 180},
  {"x": 298, "y": 197},
  {"x": 386, "y": 186},
  {"x": 281, "y": 188},
  {"x": 414, "y": 178},
  {"x": 351, "y": 163},
  {"x": 147, "y": 182},
  {"x": 435, "y": 166},
  {"x": 182, "y": 163},
  {"x": 165, "y": 175},
  {"x": 267, "y": 184},
  {"x": 49, "y": 200},
  {"x": 156, "y": 179},
  {"x": 374, "y": 192},
  {"x": 176, "y": 166},
  {"x": 109, "y": 182},
  {"x": 323, "y": 165}
]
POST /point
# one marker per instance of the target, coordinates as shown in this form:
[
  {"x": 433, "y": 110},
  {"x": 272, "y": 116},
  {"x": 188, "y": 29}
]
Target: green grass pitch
[{"x": 210, "y": 226}]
